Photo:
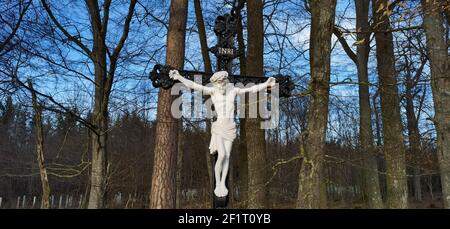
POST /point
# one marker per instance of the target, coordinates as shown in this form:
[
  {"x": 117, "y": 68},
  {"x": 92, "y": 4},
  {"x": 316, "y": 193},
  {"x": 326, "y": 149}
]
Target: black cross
[
  {"x": 225, "y": 28},
  {"x": 160, "y": 78}
]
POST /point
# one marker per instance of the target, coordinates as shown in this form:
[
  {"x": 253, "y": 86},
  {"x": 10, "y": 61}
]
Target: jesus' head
[{"x": 220, "y": 80}]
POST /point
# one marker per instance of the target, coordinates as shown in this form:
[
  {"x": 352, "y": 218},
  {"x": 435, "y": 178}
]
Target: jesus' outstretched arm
[
  {"x": 175, "y": 75},
  {"x": 256, "y": 88}
]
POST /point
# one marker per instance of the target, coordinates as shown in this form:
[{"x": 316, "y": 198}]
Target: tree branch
[
  {"x": 118, "y": 49},
  {"x": 147, "y": 12},
  {"x": 105, "y": 20},
  {"x": 126, "y": 29},
  {"x": 63, "y": 30},
  {"x": 65, "y": 109},
  {"x": 16, "y": 27},
  {"x": 338, "y": 33}
]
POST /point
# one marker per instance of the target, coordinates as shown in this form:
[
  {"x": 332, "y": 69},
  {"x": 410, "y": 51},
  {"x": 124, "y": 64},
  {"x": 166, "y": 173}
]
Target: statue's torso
[{"x": 224, "y": 104}]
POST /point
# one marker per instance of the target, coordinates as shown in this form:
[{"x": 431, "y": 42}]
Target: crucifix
[{"x": 223, "y": 93}]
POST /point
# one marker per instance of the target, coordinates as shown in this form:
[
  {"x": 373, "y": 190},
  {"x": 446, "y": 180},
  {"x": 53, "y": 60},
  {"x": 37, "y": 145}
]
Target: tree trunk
[
  {"x": 394, "y": 149},
  {"x": 377, "y": 119},
  {"x": 370, "y": 167},
  {"x": 99, "y": 162},
  {"x": 40, "y": 149},
  {"x": 104, "y": 79},
  {"x": 163, "y": 193},
  {"x": 242, "y": 155},
  {"x": 103, "y": 84},
  {"x": 413, "y": 128},
  {"x": 313, "y": 144},
  {"x": 202, "y": 36},
  {"x": 440, "y": 83},
  {"x": 414, "y": 142},
  {"x": 179, "y": 170},
  {"x": 255, "y": 136},
  {"x": 208, "y": 68}
]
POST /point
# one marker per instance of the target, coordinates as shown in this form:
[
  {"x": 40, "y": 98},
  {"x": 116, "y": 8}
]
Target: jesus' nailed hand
[{"x": 223, "y": 130}]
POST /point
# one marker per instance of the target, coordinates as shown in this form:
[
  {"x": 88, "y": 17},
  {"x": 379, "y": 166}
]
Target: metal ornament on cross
[{"x": 225, "y": 28}]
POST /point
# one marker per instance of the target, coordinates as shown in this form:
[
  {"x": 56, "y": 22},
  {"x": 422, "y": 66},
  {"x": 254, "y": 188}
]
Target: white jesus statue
[{"x": 223, "y": 130}]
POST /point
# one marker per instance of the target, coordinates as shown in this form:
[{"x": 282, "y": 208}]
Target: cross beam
[{"x": 160, "y": 78}]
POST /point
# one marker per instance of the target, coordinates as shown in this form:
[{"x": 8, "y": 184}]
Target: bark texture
[
  {"x": 40, "y": 149},
  {"x": 394, "y": 149},
  {"x": 413, "y": 125},
  {"x": 440, "y": 84},
  {"x": 163, "y": 193},
  {"x": 254, "y": 135},
  {"x": 371, "y": 182},
  {"x": 313, "y": 140},
  {"x": 208, "y": 68},
  {"x": 242, "y": 161}
]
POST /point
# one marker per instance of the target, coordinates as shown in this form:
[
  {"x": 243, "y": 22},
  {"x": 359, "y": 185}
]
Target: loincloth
[{"x": 225, "y": 130}]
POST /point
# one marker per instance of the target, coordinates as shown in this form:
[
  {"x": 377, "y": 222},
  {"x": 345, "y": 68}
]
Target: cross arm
[{"x": 160, "y": 78}]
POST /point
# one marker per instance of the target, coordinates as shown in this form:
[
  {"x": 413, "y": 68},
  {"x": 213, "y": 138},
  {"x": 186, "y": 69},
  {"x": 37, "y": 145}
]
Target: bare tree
[
  {"x": 163, "y": 193},
  {"x": 394, "y": 149},
  {"x": 411, "y": 82},
  {"x": 242, "y": 160},
  {"x": 208, "y": 68},
  {"x": 255, "y": 136},
  {"x": 361, "y": 58},
  {"x": 313, "y": 142},
  {"x": 104, "y": 60},
  {"x": 40, "y": 149},
  {"x": 370, "y": 170},
  {"x": 437, "y": 48}
]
